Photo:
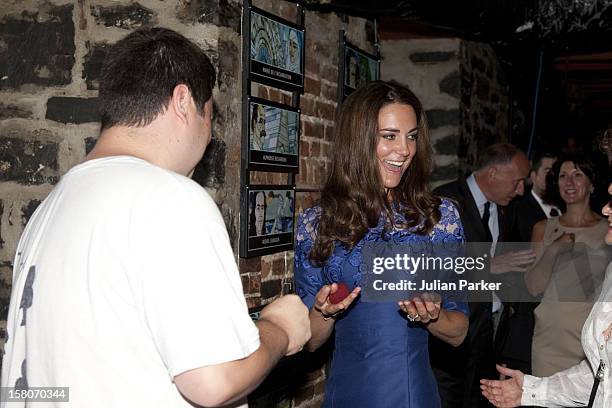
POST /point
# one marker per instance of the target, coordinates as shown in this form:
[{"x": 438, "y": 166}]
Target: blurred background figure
[{"x": 567, "y": 276}]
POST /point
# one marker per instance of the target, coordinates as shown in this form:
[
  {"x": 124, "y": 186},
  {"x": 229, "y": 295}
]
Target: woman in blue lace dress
[{"x": 376, "y": 191}]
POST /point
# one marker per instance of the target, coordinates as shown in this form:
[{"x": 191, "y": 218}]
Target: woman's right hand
[
  {"x": 565, "y": 242},
  {"x": 327, "y": 309},
  {"x": 504, "y": 393}
]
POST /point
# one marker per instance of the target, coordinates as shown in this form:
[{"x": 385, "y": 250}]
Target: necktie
[
  {"x": 554, "y": 212},
  {"x": 485, "y": 221}
]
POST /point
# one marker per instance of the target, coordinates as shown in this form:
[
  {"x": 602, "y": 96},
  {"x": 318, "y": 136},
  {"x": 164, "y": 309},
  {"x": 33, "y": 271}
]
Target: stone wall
[
  {"x": 484, "y": 103},
  {"x": 51, "y": 53},
  {"x": 430, "y": 68},
  {"x": 463, "y": 91}
]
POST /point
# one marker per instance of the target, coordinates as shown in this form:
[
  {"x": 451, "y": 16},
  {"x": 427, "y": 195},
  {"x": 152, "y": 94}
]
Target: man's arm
[{"x": 283, "y": 330}]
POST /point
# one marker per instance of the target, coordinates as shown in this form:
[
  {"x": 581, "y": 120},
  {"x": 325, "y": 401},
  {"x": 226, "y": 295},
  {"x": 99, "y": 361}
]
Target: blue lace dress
[{"x": 380, "y": 359}]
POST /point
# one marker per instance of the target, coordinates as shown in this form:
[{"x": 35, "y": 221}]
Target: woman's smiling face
[{"x": 397, "y": 142}]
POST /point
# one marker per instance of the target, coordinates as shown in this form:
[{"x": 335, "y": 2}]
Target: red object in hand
[{"x": 340, "y": 294}]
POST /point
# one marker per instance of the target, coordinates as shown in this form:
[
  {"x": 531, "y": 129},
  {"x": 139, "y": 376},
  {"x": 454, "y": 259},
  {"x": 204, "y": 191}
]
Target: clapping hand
[{"x": 504, "y": 393}]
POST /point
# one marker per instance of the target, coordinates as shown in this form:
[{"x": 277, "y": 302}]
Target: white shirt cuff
[{"x": 535, "y": 390}]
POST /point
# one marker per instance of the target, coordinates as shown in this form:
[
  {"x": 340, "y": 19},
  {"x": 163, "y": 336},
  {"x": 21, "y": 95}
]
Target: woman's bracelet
[{"x": 326, "y": 317}]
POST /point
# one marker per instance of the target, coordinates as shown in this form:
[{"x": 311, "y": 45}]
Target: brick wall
[
  {"x": 263, "y": 276},
  {"x": 51, "y": 53}
]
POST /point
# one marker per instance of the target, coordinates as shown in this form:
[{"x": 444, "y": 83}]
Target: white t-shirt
[{"x": 124, "y": 278}]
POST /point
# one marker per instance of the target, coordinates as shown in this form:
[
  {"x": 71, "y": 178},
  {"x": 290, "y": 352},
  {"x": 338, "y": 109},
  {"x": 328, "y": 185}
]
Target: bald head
[{"x": 501, "y": 173}]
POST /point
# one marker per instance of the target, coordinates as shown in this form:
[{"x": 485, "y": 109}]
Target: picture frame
[
  {"x": 273, "y": 136},
  {"x": 357, "y": 68},
  {"x": 267, "y": 219},
  {"x": 276, "y": 51}
]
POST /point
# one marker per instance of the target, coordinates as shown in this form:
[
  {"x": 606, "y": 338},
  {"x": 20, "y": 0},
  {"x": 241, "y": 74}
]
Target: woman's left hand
[{"x": 423, "y": 308}]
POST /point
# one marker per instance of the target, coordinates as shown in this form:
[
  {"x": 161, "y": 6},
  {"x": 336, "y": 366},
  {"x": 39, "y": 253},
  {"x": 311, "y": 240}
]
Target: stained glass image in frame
[
  {"x": 359, "y": 68},
  {"x": 276, "y": 51},
  {"x": 273, "y": 135},
  {"x": 268, "y": 219}
]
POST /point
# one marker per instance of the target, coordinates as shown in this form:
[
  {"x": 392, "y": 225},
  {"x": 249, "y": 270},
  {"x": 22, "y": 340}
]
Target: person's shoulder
[
  {"x": 450, "y": 219},
  {"x": 452, "y": 190},
  {"x": 537, "y": 232},
  {"x": 174, "y": 192}
]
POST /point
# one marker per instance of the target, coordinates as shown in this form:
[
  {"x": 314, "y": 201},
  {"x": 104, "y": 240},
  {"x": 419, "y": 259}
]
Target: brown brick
[
  {"x": 312, "y": 65},
  {"x": 250, "y": 264},
  {"x": 253, "y": 302},
  {"x": 323, "y": 50},
  {"x": 326, "y": 110},
  {"x": 308, "y": 107},
  {"x": 288, "y": 12},
  {"x": 304, "y": 148},
  {"x": 315, "y": 148},
  {"x": 278, "y": 267},
  {"x": 329, "y": 92},
  {"x": 302, "y": 176},
  {"x": 312, "y": 86},
  {"x": 270, "y": 289},
  {"x": 251, "y": 284},
  {"x": 266, "y": 269},
  {"x": 313, "y": 129},
  {"x": 329, "y": 133},
  {"x": 330, "y": 72}
]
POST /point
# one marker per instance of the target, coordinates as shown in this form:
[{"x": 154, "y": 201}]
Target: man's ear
[
  {"x": 181, "y": 99},
  {"x": 491, "y": 172}
]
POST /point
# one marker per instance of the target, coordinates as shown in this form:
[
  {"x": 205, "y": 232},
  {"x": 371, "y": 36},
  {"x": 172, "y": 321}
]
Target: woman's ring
[{"x": 414, "y": 318}]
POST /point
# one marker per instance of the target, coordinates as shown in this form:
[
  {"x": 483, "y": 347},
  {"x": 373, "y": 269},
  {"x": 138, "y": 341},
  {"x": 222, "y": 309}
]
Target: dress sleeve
[
  {"x": 567, "y": 388},
  {"x": 450, "y": 230},
  {"x": 308, "y": 278}
]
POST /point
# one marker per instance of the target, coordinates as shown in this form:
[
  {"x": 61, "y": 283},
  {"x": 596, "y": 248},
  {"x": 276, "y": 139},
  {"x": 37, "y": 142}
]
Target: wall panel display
[
  {"x": 276, "y": 51},
  {"x": 357, "y": 68},
  {"x": 273, "y": 136},
  {"x": 267, "y": 219}
]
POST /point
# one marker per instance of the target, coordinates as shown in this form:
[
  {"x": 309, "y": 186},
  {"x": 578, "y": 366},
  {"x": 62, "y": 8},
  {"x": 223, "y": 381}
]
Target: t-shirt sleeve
[{"x": 192, "y": 297}]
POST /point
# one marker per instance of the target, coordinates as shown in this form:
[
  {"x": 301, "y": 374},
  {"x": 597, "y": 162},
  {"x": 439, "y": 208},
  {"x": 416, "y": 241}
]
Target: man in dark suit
[
  {"x": 517, "y": 319},
  {"x": 481, "y": 199}
]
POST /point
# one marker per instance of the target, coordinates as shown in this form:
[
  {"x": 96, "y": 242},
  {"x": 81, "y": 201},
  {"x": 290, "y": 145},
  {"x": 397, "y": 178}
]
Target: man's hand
[
  {"x": 514, "y": 261},
  {"x": 291, "y": 315},
  {"x": 506, "y": 393}
]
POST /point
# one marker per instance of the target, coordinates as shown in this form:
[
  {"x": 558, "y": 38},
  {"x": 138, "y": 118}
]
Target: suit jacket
[
  {"x": 459, "y": 192},
  {"x": 524, "y": 212},
  {"x": 459, "y": 370}
]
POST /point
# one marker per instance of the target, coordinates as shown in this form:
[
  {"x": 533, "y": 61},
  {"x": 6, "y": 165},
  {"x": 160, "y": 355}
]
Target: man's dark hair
[
  {"x": 141, "y": 71},
  {"x": 539, "y": 156},
  {"x": 499, "y": 153}
]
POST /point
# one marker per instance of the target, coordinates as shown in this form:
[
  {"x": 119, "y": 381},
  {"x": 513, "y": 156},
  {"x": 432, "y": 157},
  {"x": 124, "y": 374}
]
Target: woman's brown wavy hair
[{"x": 354, "y": 196}]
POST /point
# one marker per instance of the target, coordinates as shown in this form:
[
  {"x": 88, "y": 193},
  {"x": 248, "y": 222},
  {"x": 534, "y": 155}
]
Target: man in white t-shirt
[{"x": 125, "y": 289}]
